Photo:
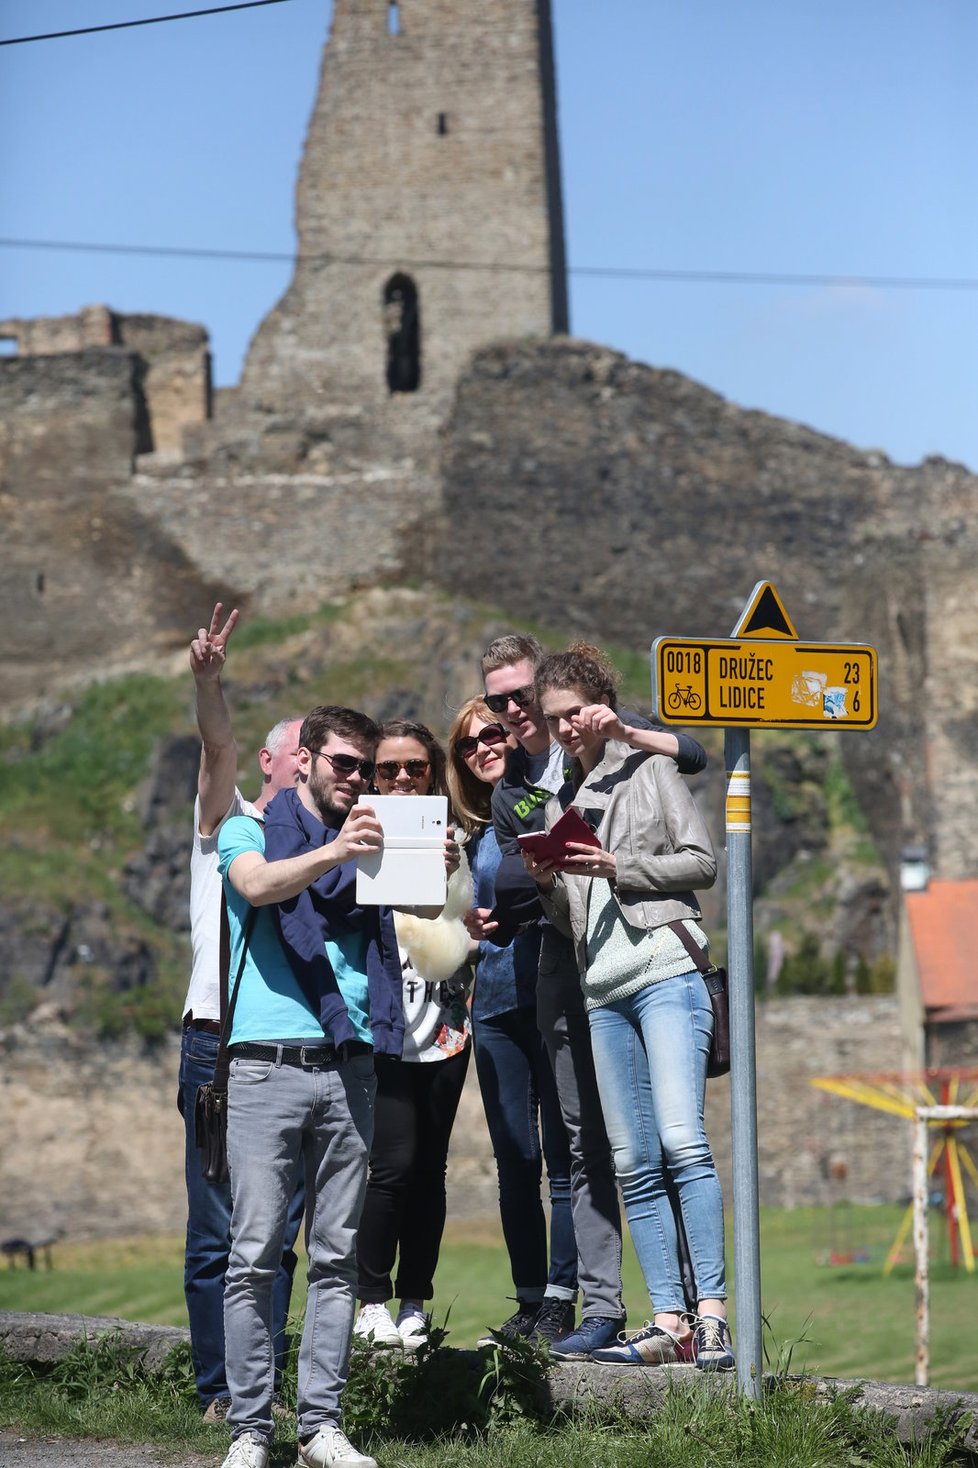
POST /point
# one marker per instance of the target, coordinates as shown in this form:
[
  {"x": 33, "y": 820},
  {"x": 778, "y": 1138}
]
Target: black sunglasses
[
  {"x": 345, "y": 764},
  {"x": 492, "y": 734},
  {"x": 499, "y": 702},
  {"x": 389, "y": 769}
]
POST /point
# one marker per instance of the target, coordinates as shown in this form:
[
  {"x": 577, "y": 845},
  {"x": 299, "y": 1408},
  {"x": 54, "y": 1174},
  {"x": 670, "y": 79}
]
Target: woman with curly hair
[{"x": 629, "y": 906}]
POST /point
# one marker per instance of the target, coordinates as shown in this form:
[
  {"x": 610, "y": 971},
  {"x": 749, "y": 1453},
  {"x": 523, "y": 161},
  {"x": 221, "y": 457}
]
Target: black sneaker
[
  {"x": 555, "y": 1319},
  {"x": 712, "y": 1346},
  {"x": 518, "y": 1327}
]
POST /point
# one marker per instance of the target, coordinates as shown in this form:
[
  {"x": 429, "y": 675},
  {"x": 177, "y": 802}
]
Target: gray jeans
[
  {"x": 281, "y": 1118},
  {"x": 563, "y": 1023}
]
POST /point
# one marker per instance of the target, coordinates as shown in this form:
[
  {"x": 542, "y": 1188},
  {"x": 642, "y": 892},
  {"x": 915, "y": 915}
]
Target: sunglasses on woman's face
[
  {"x": 499, "y": 702},
  {"x": 389, "y": 769},
  {"x": 491, "y": 735}
]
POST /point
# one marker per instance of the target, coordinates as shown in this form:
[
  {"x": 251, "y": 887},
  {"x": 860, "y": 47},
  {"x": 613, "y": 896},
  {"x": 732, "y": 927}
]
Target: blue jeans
[
  {"x": 283, "y": 1120},
  {"x": 209, "y": 1238},
  {"x": 650, "y": 1054},
  {"x": 520, "y": 1100}
]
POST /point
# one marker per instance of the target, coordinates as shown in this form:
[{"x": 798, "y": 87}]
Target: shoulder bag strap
[
  {"x": 222, "y": 1064},
  {"x": 696, "y": 953}
]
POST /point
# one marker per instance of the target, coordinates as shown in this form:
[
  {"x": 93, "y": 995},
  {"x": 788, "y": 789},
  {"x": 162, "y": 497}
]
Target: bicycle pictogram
[{"x": 684, "y": 698}]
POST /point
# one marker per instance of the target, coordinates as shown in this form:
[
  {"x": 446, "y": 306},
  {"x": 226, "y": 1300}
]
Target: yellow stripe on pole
[{"x": 738, "y": 801}]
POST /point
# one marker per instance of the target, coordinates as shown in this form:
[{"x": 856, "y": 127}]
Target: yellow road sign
[{"x": 764, "y": 683}]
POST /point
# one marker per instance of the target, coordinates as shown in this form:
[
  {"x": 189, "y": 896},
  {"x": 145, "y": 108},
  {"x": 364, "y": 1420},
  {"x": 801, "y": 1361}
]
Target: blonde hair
[{"x": 471, "y": 797}]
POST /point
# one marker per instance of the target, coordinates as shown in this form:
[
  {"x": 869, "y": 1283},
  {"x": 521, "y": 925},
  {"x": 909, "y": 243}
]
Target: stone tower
[{"x": 428, "y": 211}]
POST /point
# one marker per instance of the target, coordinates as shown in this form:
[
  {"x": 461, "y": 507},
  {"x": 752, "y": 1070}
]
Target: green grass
[
  {"x": 843, "y": 1320},
  {"x": 422, "y": 1412}
]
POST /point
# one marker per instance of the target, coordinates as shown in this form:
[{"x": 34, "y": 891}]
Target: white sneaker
[
  {"x": 412, "y": 1327},
  {"x": 247, "y": 1451},
  {"x": 330, "y": 1446},
  {"x": 374, "y": 1324}
]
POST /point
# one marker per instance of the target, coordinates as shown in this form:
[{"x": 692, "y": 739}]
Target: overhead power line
[
  {"x": 608, "y": 272},
  {"x": 125, "y": 25}
]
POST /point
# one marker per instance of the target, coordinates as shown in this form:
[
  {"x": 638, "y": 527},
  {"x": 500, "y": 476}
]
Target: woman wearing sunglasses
[
  {"x": 630, "y": 907},
  {"x": 515, "y": 1078},
  {"x": 417, "y": 1095}
]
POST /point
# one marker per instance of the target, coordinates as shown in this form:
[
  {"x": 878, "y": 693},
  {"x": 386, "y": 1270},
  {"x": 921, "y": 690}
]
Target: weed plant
[{"x": 478, "y": 1411}]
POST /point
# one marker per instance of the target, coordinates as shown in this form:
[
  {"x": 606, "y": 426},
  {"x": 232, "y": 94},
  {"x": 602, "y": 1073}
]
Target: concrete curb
[
  {"x": 638, "y": 1392},
  {"x": 37, "y": 1339}
]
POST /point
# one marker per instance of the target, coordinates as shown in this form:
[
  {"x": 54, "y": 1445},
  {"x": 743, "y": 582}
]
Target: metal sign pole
[{"x": 743, "y": 1094}]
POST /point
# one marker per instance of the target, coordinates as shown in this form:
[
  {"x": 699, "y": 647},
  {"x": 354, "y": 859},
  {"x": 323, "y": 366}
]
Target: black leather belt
[
  {"x": 203, "y": 1026},
  {"x": 310, "y": 1057}
]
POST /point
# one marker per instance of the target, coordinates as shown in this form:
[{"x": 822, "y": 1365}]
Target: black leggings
[{"x": 404, "y": 1210}]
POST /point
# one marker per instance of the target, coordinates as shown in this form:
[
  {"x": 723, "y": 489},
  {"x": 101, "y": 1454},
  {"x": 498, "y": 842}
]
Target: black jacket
[{"x": 517, "y": 808}]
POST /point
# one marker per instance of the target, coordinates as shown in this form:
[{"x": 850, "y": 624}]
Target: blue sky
[{"x": 820, "y": 137}]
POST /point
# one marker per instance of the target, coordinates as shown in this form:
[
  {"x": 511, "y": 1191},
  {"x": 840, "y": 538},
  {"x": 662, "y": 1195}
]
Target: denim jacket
[{"x": 639, "y": 807}]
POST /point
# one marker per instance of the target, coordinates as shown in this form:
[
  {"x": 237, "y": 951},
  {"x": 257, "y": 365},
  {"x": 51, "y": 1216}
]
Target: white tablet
[{"x": 409, "y": 870}]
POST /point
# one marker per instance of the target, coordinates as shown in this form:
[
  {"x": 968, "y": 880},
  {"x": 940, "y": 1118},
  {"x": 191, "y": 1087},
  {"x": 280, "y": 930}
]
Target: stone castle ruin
[
  {"x": 428, "y": 212},
  {"x": 415, "y": 379},
  {"x": 171, "y": 382}
]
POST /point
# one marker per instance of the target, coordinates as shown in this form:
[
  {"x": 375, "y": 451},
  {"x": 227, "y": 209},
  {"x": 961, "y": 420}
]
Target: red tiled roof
[{"x": 944, "y": 930}]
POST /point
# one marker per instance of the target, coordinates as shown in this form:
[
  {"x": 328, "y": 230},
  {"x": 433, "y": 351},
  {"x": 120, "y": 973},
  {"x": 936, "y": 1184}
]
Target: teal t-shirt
[{"x": 271, "y": 1005}]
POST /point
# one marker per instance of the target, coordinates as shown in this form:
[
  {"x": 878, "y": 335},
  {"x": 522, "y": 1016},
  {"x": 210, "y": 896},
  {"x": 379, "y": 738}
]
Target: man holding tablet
[{"x": 320, "y": 992}]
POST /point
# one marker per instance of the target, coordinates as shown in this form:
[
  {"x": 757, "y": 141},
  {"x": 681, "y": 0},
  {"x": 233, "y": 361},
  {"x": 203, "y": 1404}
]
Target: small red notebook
[{"x": 551, "y": 846}]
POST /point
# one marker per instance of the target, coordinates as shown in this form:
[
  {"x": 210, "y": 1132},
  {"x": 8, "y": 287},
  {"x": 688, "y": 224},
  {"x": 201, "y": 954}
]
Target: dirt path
[{"x": 59, "y": 1452}]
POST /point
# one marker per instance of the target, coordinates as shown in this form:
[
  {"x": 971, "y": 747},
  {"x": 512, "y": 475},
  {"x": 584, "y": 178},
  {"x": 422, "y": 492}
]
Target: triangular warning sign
[{"x": 764, "y": 615}]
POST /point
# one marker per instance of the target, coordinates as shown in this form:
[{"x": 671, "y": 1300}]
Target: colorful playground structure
[{"x": 949, "y": 1158}]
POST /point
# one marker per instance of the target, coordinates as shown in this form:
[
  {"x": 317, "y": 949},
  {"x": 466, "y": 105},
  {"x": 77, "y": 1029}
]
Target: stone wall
[
  {"x": 176, "y": 378},
  {"x": 173, "y": 378},
  {"x": 815, "y": 1148},
  {"x": 92, "y": 326},
  {"x": 87, "y": 581}
]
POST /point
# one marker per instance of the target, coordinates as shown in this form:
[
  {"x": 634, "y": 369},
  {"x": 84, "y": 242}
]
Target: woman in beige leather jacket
[{"x": 649, "y": 1012}]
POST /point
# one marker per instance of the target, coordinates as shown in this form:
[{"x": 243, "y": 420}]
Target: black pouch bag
[
  {"x": 211, "y": 1105},
  {"x": 211, "y": 1132}
]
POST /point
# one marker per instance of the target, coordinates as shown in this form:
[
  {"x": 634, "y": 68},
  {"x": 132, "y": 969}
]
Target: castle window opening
[
  {"x": 8, "y": 346},
  {"x": 442, "y": 124},
  {"x": 402, "y": 328},
  {"x": 393, "y": 18}
]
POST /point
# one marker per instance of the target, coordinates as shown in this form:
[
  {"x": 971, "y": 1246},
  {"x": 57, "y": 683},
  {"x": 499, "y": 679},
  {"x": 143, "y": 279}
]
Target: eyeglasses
[
  {"x": 389, "y": 769},
  {"x": 499, "y": 702},
  {"x": 491, "y": 735},
  {"x": 345, "y": 764}
]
